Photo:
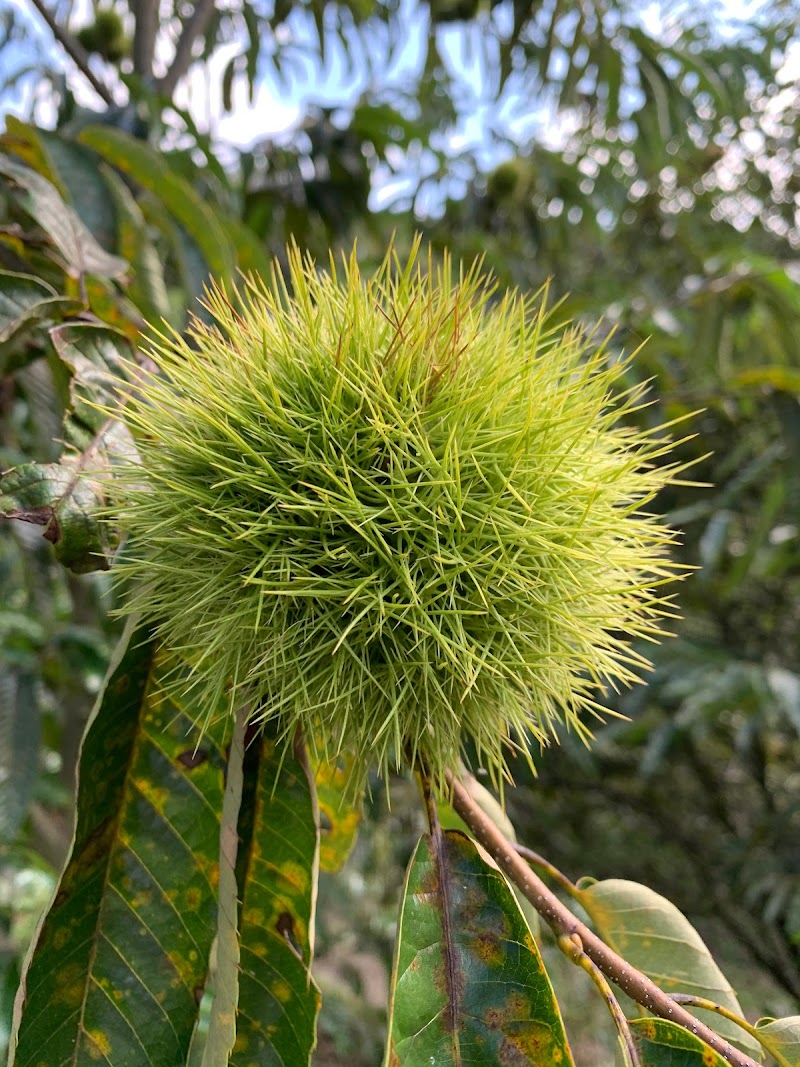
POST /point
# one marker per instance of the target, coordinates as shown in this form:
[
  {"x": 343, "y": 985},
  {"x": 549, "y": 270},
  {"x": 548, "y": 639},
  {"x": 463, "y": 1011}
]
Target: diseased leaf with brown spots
[
  {"x": 662, "y": 1043},
  {"x": 65, "y": 497},
  {"x": 277, "y": 873},
  {"x": 64, "y": 501},
  {"x": 469, "y": 985},
  {"x": 124, "y": 947}
]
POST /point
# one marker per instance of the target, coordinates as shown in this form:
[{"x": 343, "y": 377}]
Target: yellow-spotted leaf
[
  {"x": 662, "y": 1043},
  {"x": 490, "y": 805},
  {"x": 117, "y": 972},
  {"x": 277, "y": 874},
  {"x": 781, "y": 1039},
  {"x": 469, "y": 985},
  {"x": 339, "y": 817},
  {"x": 651, "y": 934}
]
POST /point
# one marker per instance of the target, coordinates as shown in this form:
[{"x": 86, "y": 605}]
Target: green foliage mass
[{"x": 106, "y": 36}]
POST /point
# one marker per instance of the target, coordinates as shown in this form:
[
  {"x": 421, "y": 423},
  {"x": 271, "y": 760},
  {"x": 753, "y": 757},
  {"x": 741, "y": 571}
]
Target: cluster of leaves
[{"x": 660, "y": 213}]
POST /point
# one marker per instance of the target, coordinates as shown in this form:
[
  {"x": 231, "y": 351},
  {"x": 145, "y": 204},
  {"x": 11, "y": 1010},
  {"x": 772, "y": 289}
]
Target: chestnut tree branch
[
  {"x": 564, "y": 924},
  {"x": 144, "y": 36},
  {"x": 194, "y": 27},
  {"x": 76, "y": 52}
]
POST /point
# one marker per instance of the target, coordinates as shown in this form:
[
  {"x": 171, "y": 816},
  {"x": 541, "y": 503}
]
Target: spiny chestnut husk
[{"x": 398, "y": 512}]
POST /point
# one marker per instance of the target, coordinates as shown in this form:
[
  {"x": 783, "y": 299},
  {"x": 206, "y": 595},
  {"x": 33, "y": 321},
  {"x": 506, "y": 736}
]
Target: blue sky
[{"x": 385, "y": 69}]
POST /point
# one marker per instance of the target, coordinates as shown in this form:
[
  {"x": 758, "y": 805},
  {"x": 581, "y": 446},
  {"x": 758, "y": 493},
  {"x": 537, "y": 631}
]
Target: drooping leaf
[
  {"x": 227, "y": 83},
  {"x": 101, "y": 361},
  {"x": 82, "y": 183},
  {"x": 40, "y": 198},
  {"x": 61, "y": 498},
  {"x": 781, "y": 1038},
  {"x": 469, "y": 986},
  {"x": 649, "y": 932},
  {"x": 20, "y": 736},
  {"x": 65, "y": 497},
  {"x": 26, "y": 303},
  {"x": 662, "y": 1043},
  {"x": 278, "y": 1000},
  {"x": 339, "y": 818},
  {"x": 146, "y": 167},
  {"x": 117, "y": 971},
  {"x": 222, "y": 1024},
  {"x": 148, "y": 288}
]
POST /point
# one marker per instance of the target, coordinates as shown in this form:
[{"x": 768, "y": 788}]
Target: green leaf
[
  {"x": 251, "y": 254},
  {"x": 339, "y": 818},
  {"x": 662, "y": 1043},
  {"x": 469, "y": 986},
  {"x": 100, "y": 359},
  {"x": 222, "y": 1024},
  {"x": 59, "y": 497},
  {"x": 26, "y": 303},
  {"x": 20, "y": 735},
  {"x": 781, "y": 1038},
  {"x": 278, "y": 1001},
  {"x": 227, "y": 83},
  {"x": 80, "y": 176},
  {"x": 42, "y": 201},
  {"x": 253, "y": 49},
  {"x": 146, "y": 167},
  {"x": 653, "y": 936},
  {"x": 65, "y": 497},
  {"x": 117, "y": 972},
  {"x": 190, "y": 261},
  {"x": 148, "y": 289}
]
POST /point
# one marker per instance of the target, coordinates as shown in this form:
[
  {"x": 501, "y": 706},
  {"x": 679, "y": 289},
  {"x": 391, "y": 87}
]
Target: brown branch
[
  {"x": 144, "y": 36},
  {"x": 76, "y": 52},
  {"x": 194, "y": 27},
  {"x": 564, "y": 924}
]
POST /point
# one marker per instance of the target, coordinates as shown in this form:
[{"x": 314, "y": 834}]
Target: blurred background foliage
[{"x": 644, "y": 159}]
